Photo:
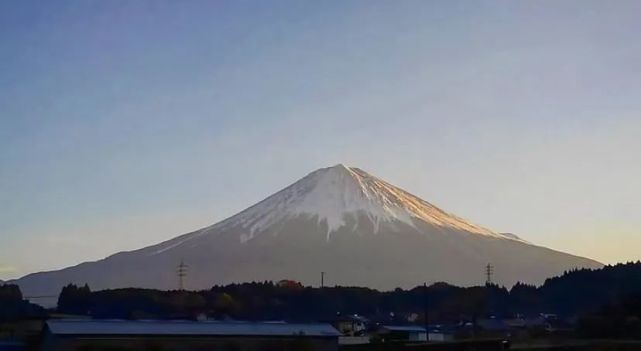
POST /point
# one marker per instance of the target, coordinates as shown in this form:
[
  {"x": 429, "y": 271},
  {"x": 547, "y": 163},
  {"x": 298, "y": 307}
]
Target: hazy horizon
[{"x": 125, "y": 124}]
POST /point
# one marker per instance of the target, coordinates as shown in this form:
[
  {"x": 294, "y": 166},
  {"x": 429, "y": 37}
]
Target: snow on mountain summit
[{"x": 332, "y": 194}]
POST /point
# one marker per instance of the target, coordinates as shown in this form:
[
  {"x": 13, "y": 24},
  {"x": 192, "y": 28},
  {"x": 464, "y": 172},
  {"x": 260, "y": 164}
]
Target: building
[
  {"x": 441, "y": 333},
  {"x": 403, "y": 333},
  {"x": 351, "y": 325},
  {"x": 353, "y": 329},
  {"x": 97, "y": 335},
  {"x": 413, "y": 333}
]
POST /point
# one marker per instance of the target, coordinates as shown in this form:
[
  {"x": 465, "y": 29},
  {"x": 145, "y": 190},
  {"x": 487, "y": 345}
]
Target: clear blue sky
[{"x": 125, "y": 123}]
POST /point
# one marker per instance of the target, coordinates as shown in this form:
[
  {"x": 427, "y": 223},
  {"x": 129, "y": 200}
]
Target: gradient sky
[{"x": 125, "y": 123}]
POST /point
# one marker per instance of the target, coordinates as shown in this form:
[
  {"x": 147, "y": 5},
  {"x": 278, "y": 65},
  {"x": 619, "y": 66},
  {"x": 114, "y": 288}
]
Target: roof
[
  {"x": 492, "y": 324},
  {"x": 442, "y": 329},
  {"x": 208, "y": 328},
  {"x": 405, "y": 328}
]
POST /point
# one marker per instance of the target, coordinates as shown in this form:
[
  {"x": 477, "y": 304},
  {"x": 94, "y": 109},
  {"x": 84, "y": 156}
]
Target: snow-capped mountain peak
[
  {"x": 360, "y": 229},
  {"x": 331, "y": 195}
]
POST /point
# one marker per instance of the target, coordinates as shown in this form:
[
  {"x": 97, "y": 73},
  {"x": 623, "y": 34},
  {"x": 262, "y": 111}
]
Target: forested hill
[
  {"x": 585, "y": 289},
  {"x": 574, "y": 293}
]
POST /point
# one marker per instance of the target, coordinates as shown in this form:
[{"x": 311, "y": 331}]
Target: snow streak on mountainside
[{"x": 331, "y": 195}]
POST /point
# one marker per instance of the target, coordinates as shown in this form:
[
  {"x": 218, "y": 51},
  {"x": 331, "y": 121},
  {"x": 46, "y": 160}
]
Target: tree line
[
  {"x": 607, "y": 302},
  {"x": 578, "y": 292},
  {"x": 14, "y": 307}
]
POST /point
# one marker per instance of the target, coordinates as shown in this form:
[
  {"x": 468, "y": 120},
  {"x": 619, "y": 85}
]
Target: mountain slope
[{"x": 357, "y": 228}]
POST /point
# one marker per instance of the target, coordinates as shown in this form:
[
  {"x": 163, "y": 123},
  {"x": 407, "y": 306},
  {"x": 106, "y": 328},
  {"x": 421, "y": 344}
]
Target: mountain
[{"x": 357, "y": 228}]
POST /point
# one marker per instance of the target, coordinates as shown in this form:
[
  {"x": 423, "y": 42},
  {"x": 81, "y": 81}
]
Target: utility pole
[
  {"x": 425, "y": 313},
  {"x": 322, "y": 280},
  {"x": 181, "y": 272},
  {"x": 489, "y": 270}
]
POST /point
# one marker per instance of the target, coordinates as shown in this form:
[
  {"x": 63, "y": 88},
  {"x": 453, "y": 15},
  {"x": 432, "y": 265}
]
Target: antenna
[
  {"x": 322, "y": 280},
  {"x": 489, "y": 271},
  {"x": 181, "y": 272}
]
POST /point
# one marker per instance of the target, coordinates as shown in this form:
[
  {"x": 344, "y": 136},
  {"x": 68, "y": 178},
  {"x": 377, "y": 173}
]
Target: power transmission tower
[
  {"x": 181, "y": 272},
  {"x": 489, "y": 271}
]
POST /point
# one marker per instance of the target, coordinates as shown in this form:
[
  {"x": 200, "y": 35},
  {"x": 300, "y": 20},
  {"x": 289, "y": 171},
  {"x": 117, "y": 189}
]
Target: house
[
  {"x": 441, "y": 333},
  {"x": 402, "y": 333},
  {"x": 350, "y": 325},
  {"x": 493, "y": 324},
  {"x": 97, "y": 335},
  {"x": 353, "y": 329},
  {"x": 413, "y": 333},
  {"x": 549, "y": 323}
]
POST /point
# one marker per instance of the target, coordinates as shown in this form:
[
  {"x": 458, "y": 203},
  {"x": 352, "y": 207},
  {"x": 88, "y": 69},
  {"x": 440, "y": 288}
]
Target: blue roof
[{"x": 207, "y": 328}]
